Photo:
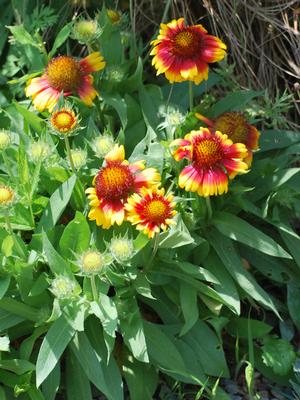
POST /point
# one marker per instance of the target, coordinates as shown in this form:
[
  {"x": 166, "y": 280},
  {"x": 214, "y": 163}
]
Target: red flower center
[
  {"x": 64, "y": 73},
  {"x": 234, "y": 125},
  {"x": 156, "y": 210},
  {"x": 114, "y": 182},
  {"x": 207, "y": 152},
  {"x": 187, "y": 43}
]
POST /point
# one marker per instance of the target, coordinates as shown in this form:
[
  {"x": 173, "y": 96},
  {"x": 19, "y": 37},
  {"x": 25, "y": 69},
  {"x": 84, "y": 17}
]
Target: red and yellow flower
[
  {"x": 214, "y": 159},
  {"x": 235, "y": 126},
  {"x": 68, "y": 75},
  {"x": 183, "y": 52},
  {"x": 151, "y": 210},
  {"x": 115, "y": 182}
]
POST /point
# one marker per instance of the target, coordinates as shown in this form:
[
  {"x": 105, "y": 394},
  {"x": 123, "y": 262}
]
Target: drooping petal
[
  {"x": 92, "y": 63},
  {"x": 86, "y": 90},
  {"x": 116, "y": 154},
  {"x": 46, "y": 99}
]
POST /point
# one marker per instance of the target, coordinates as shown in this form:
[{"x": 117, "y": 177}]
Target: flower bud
[
  {"x": 102, "y": 145},
  {"x": 7, "y": 196},
  {"x": 93, "y": 262},
  {"x": 79, "y": 158},
  {"x": 121, "y": 248},
  {"x": 39, "y": 151},
  {"x": 63, "y": 287},
  {"x": 85, "y": 31},
  {"x": 5, "y": 139},
  {"x": 114, "y": 16}
]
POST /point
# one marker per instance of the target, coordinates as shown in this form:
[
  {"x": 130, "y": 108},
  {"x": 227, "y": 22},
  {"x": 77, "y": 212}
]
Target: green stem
[
  {"x": 11, "y": 232},
  {"x": 169, "y": 97},
  {"x": 191, "y": 96},
  {"x": 132, "y": 20},
  {"x": 164, "y": 17},
  {"x": 6, "y": 162},
  {"x": 68, "y": 148},
  {"x": 79, "y": 186},
  {"x": 155, "y": 248},
  {"x": 209, "y": 209},
  {"x": 94, "y": 288}
]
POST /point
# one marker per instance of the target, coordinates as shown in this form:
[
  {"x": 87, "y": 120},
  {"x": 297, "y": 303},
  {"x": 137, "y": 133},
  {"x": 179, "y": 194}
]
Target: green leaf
[
  {"x": 76, "y": 236},
  {"x": 293, "y": 302},
  {"x": 35, "y": 394},
  {"x": 292, "y": 241},
  {"x": 106, "y": 311},
  {"x": 278, "y": 354},
  {"x": 200, "y": 286},
  {"x": 61, "y": 37},
  {"x": 162, "y": 351},
  {"x": 119, "y": 104},
  {"x": 155, "y": 156},
  {"x": 277, "y": 139},
  {"x": 19, "y": 367},
  {"x": 57, "y": 203},
  {"x": 134, "y": 81},
  {"x": 8, "y": 320},
  {"x": 32, "y": 119},
  {"x": 189, "y": 306},
  {"x": 53, "y": 345},
  {"x": 237, "y": 229},
  {"x": 142, "y": 286},
  {"x": 56, "y": 263},
  {"x": 4, "y": 285},
  {"x": 208, "y": 352},
  {"x": 226, "y": 287},
  {"x": 17, "y": 307},
  {"x": 28, "y": 344},
  {"x": 4, "y": 343},
  {"x": 141, "y": 379},
  {"x": 78, "y": 385},
  {"x": 7, "y": 246},
  {"x": 238, "y": 327},
  {"x": 22, "y": 36},
  {"x": 109, "y": 366},
  {"x": 40, "y": 285},
  {"x": 140, "y": 241},
  {"x": 178, "y": 235},
  {"x": 51, "y": 384},
  {"x": 193, "y": 366},
  {"x": 232, "y": 262},
  {"x": 249, "y": 376},
  {"x": 110, "y": 42},
  {"x": 149, "y": 108},
  {"x": 132, "y": 328},
  {"x": 234, "y": 101},
  {"x": 273, "y": 268},
  {"x": 90, "y": 362}
]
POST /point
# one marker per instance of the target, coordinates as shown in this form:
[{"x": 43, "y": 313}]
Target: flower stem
[
  {"x": 132, "y": 20},
  {"x": 191, "y": 96},
  {"x": 11, "y": 232},
  {"x": 94, "y": 288},
  {"x": 67, "y": 143},
  {"x": 169, "y": 97},
  {"x": 6, "y": 162},
  {"x": 154, "y": 251},
  {"x": 209, "y": 209}
]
